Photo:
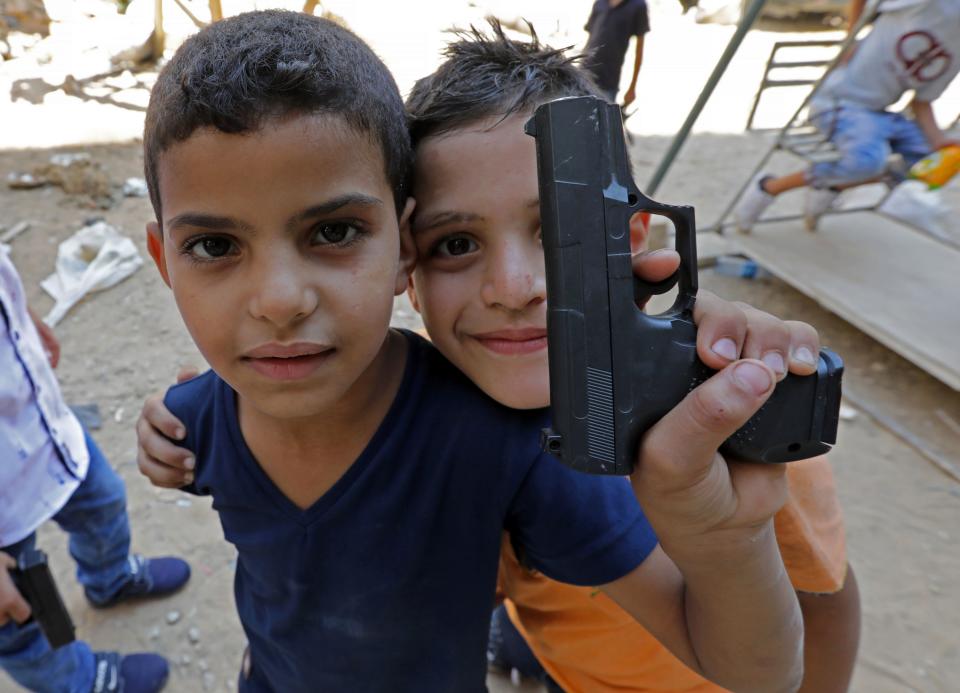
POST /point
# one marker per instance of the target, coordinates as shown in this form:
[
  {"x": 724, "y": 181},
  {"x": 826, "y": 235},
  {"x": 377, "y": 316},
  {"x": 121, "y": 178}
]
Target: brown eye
[
  {"x": 215, "y": 247},
  {"x": 209, "y": 247},
  {"x": 456, "y": 245},
  {"x": 335, "y": 234}
]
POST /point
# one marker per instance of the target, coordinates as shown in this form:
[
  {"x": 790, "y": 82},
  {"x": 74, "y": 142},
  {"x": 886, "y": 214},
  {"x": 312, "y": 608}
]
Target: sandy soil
[{"x": 121, "y": 345}]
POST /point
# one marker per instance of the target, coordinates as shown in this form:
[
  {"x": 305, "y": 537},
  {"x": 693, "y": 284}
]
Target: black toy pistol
[
  {"x": 34, "y": 581},
  {"x": 614, "y": 370}
]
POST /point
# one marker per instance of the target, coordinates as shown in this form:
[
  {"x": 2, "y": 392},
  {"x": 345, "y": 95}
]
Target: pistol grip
[{"x": 799, "y": 421}]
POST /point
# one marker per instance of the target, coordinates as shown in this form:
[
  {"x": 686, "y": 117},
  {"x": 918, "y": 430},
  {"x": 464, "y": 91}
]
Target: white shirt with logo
[
  {"x": 43, "y": 454},
  {"x": 914, "y": 45}
]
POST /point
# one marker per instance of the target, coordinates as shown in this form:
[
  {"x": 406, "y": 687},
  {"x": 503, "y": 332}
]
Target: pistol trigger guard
[{"x": 643, "y": 290}]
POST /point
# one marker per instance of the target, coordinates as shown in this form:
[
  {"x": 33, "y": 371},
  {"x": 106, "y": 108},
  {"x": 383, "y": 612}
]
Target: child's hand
[
  {"x": 679, "y": 467},
  {"x": 12, "y": 604},
  {"x": 727, "y": 331},
  {"x": 166, "y": 465},
  {"x": 692, "y": 496}
]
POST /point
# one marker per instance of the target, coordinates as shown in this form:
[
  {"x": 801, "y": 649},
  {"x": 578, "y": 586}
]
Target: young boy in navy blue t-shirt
[{"x": 364, "y": 481}]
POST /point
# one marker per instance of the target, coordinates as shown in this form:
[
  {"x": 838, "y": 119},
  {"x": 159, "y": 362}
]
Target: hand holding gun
[
  {"x": 28, "y": 592},
  {"x": 614, "y": 370}
]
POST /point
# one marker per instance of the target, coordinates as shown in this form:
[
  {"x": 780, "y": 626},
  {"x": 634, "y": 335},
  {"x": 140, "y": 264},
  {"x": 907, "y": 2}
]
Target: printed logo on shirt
[{"x": 922, "y": 56}]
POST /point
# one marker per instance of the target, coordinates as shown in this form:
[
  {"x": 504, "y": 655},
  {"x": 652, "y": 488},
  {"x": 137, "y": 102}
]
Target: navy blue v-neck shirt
[{"x": 386, "y": 583}]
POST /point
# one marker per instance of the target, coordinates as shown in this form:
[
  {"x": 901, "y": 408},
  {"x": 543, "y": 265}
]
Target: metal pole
[{"x": 746, "y": 21}]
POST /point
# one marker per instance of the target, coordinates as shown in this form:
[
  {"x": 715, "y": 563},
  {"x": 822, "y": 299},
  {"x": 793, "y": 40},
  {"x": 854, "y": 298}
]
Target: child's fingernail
[
  {"x": 752, "y": 378},
  {"x": 188, "y": 478},
  {"x": 775, "y": 361},
  {"x": 805, "y": 355},
  {"x": 189, "y": 463},
  {"x": 726, "y": 347},
  {"x": 179, "y": 432}
]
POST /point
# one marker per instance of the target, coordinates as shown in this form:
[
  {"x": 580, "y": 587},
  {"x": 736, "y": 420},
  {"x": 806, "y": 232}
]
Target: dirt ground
[{"x": 903, "y": 514}]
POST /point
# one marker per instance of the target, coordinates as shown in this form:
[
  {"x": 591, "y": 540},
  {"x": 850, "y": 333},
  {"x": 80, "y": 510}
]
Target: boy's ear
[
  {"x": 408, "y": 251},
  {"x": 639, "y": 231},
  {"x": 412, "y": 294},
  {"x": 155, "y": 246}
]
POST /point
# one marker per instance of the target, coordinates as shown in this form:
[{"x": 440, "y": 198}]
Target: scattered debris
[
  {"x": 738, "y": 266},
  {"x": 848, "y": 413},
  {"x": 118, "y": 415},
  {"x": 173, "y": 617},
  {"x": 154, "y": 633},
  {"x": 76, "y": 173},
  {"x": 185, "y": 660},
  {"x": 67, "y": 160},
  {"x": 135, "y": 187},
  {"x": 915, "y": 204},
  {"x": 94, "y": 258},
  {"x": 209, "y": 681},
  {"x": 88, "y": 415},
  {"x": 24, "y": 181},
  {"x": 14, "y": 231},
  {"x": 194, "y": 636}
]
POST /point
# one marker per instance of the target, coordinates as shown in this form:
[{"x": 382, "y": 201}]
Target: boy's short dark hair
[
  {"x": 236, "y": 73},
  {"x": 486, "y": 76}
]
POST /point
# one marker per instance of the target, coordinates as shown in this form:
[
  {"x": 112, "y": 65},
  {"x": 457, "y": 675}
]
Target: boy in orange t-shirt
[
  {"x": 585, "y": 642},
  {"x": 476, "y": 227}
]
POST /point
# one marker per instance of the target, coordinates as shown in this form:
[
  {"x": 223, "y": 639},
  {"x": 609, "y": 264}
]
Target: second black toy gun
[
  {"x": 614, "y": 370},
  {"x": 34, "y": 581}
]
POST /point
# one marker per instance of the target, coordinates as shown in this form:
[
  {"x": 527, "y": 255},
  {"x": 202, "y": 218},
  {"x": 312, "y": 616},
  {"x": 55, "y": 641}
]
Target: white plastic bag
[
  {"x": 94, "y": 258},
  {"x": 915, "y": 204}
]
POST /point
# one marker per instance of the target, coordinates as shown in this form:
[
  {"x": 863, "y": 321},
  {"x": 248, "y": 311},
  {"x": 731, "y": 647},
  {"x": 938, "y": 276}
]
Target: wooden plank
[{"x": 900, "y": 287}]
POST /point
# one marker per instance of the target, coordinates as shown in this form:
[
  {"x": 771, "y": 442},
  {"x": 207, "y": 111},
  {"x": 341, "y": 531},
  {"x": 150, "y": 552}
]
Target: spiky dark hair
[{"x": 493, "y": 75}]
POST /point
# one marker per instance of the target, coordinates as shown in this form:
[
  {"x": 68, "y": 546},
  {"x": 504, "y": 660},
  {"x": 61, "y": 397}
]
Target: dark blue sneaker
[
  {"x": 132, "y": 673},
  {"x": 151, "y": 577}
]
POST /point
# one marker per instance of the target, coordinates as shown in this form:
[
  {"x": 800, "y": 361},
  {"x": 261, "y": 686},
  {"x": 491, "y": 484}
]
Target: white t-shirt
[
  {"x": 914, "y": 45},
  {"x": 43, "y": 454}
]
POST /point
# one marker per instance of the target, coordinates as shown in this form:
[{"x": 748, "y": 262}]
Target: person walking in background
[{"x": 611, "y": 25}]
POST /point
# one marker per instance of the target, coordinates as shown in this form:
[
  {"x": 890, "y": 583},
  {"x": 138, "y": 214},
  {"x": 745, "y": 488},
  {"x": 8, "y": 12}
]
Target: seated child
[
  {"x": 911, "y": 47},
  {"x": 479, "y": 285},
  {"x": 364, "y": 481},
  {"x": 51, "y": 468}
]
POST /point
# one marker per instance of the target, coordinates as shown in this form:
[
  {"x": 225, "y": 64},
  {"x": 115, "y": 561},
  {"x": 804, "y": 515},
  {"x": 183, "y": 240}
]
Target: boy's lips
[
  {"x": 513, "y": 342},
  {"x": 287, "y": 361}
]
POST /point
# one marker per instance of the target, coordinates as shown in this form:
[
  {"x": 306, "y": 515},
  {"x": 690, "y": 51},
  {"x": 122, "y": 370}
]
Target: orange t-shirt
[{"x": 588, "y": 644}]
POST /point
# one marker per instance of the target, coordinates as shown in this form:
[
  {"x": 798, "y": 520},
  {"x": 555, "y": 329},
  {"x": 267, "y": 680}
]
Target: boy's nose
[
  {"x": 283, "y": 296},
  {"x": 515, "y": 279}
]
